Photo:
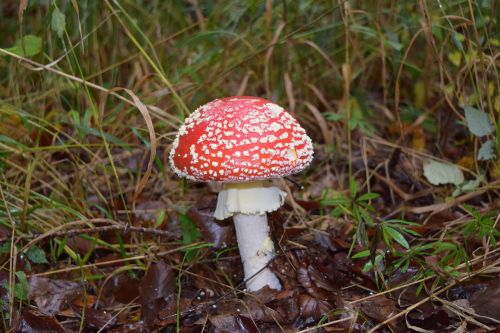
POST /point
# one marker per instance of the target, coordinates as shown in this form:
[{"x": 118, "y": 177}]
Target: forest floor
[{"x": 392, "y": 228}]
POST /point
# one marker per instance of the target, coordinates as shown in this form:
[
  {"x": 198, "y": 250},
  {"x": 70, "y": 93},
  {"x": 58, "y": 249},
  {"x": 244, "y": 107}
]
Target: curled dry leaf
[
  {"x": 124, "y": 288},
  {"x": 52, "y": 296},
  {"x": 264, "y": 306},
  {"x": 201, "y": 214},
  {"x": 98, "y": 318},
  {"x": 380, "y": 308},
  {"x": 486, "y": 302},
  {"x": 311, "y": 307},
  {"x": 258, "y": 311},
  {"x": 157, "y": 284},
  {"x": 438, "y": 320},
  {"x": 303, "y": 276},
  {"x": 329, "y": 241},
  {"x": 167, "y": 314},
  {"x": 36, "y": 322}
]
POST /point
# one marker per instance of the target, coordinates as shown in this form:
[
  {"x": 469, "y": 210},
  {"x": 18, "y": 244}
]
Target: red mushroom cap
[{"x": 238, "y": 139}]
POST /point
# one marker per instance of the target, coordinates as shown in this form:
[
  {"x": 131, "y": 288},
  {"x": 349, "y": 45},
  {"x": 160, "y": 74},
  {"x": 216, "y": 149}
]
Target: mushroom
[{"x": 243, "y": 142}]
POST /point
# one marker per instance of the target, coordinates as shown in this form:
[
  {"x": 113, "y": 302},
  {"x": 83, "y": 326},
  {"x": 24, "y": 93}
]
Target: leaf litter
[{"x": 321, "y": 283}]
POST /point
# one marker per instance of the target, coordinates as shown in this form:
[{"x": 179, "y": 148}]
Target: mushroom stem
[
  {"x": 256, "y": 250},
  {"x": 248, "y": 204}
]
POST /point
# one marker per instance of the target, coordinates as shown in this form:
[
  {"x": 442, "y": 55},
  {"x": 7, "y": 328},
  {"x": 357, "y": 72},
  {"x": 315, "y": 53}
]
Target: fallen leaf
[
  {"x": 124, "y": 288},
  {"x": 52, "y": 296},
  {"x": 312, "y": 307},
  {"x": 478, "y": 122},
  {"x": 167, "y": 313},
  {"x": 437, "y": 320},
  {"x": 158, "y": 283},
  {"x": 487, "y": 151},
  {"x": 201, "y": 214},
  {"x": 380, "y": 308},
  {"x": 36, "y": 322},
  {"x": 233, "y": 324},
  {"x": 98, "y": 318},
  {"x": 486, "y": 300},
  {"x": 438, "y": 173}
]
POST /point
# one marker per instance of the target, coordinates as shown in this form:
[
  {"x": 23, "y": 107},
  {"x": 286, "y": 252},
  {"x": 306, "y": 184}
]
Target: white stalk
[
  {"x": 248, "y": 203},
  {"x": 256, "y": 250}
]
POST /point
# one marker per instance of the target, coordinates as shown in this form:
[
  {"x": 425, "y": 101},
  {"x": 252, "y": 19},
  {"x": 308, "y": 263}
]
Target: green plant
[
  {"x": 481, "y": 225},
  {"x": 389, "y": 231},
  {"x": 357, "y": 207}
]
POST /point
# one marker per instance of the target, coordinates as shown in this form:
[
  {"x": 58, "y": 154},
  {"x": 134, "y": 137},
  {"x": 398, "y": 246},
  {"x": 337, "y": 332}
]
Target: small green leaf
[
  {"x": 478, "y": 122},
  {"x": 160, "y": 217},
  {"x": 396, "y": 235},
  {"x": 94, "y": 131},
  {"x": 32, "y": 46},
  {"x": 5, "y": 248},
  {"x": 455, "y": 58},
  {"x": 22, "y": 287},
  {"x": 400, "y": 221},
  {"x": 361, "y": 254},
  {"x": 444, "y": 246},
  {"x": 419, "y": 289},
  {"x": 190, "y": 234},
  {"x": 487, "y": 151},
  {"x": 457, "y": 39},
  {"x": 336, "y": 201},
  {"x": 395, "y": 45},
  {"x": 334, "y": 116},
  {"x": 36, "y": 255},
  {"x": 369, "y": 265},
  {"x": 363, "y": 29},
  {"x": 9, "y": 140},
  {"x": 438, "y": 173},
  {"x": 353, "y": 187},
  {"x": 58, "y": 22},
  {"x": 368, "y": 196},
  {"x": 471, "y": 185}
]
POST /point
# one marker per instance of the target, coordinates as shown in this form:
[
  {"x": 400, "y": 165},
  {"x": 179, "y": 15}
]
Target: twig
[
  {"x": 117, "y": 261},
  {"x": 435, "y": 208},
  {"x": 125, "y": 228}
]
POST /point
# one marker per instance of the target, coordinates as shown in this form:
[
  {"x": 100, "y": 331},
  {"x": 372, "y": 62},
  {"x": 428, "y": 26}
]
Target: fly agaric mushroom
[{"x": 243, "y": 141}]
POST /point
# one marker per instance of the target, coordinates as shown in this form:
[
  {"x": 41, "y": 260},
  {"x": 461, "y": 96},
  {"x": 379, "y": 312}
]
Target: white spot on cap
[
  {"x": 291, "y": 154},
  {"x": 275, "y": 127}
]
